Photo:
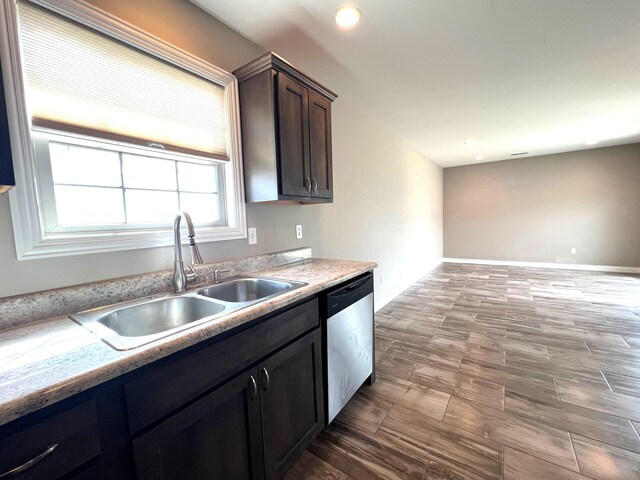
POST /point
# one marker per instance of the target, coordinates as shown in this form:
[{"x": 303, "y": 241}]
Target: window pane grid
[
  {"x": 124, "y": 197},
  {"x": 129, "y": 188},
  {"x": 175, "y": 172},
  {"x": 151, "y": 190}
]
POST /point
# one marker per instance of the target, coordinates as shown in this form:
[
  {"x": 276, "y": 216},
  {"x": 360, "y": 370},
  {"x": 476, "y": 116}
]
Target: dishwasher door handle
[
  {"x": 352, "y": 286},
  {"x": 341, "y": 298}
]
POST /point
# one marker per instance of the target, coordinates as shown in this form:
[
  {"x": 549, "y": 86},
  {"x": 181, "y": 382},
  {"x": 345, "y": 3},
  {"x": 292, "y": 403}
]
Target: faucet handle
[
  {"x": 191, "y": 276},
  {"x": 216, "y": 274}
]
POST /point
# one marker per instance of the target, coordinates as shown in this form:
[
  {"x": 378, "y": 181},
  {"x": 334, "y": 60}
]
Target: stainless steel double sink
[{"x": 132, "y": 324}]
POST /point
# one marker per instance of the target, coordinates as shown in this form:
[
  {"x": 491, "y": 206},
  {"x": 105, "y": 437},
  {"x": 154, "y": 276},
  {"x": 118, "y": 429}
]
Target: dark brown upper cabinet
[
  {"x": 286, "y": 133},
  {"x": 7, "y": 180}
]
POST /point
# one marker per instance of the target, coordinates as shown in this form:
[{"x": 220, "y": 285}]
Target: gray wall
[
  {"x": 388, "y": 197},
  {"x": 535, "y": 209}
]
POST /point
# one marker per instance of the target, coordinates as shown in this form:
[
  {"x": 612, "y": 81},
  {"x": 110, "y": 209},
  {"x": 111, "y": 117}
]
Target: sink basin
[
  {"x": 243, "y": 290},
  {"x": 159, "y": 316},
  {"x": 137, "y": 323},
  {"x": 133, "y": 324}
]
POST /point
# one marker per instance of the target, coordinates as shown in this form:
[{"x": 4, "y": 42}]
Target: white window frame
[{"x": 32, "y": 241}]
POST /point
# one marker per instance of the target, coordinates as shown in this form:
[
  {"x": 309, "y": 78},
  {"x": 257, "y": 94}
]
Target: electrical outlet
[
  {"x": 253, "y": 236},
  {"x": 298, "y": 231},
  {"x": 573, "y": 250}
]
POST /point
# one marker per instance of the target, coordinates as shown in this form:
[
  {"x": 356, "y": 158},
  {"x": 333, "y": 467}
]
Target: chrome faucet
[{"x": 181, "y": 278}]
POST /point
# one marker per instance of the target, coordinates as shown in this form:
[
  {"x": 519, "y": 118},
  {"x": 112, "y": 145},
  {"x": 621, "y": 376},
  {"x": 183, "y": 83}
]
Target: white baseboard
[
  {"x": 561, "y": 266},
  {"x": 380, "y": 302}
]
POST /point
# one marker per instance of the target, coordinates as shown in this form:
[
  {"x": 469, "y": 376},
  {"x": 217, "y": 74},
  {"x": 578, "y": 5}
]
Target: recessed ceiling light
[
  {"x": 348, "y": 16},
  {"x": 593, "y": 141},
  {"x": 479, "y": 157}
]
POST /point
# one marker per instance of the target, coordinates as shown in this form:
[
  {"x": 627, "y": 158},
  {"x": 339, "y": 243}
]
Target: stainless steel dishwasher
[{"x": 348, "y": 332}]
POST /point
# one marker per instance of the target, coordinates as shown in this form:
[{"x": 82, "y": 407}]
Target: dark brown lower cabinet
[
  {"x": 244, "y": 406},
  {"x": 253, "y": 427},
  {"x": 217, "y": 437},
  {"x": 291, "y": 400}
]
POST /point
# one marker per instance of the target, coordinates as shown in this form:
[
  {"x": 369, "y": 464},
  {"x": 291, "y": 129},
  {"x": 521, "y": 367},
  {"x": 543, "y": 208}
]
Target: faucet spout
[
  {"x": 196, "y": 258},
  {"x": 180, "y": 278}
]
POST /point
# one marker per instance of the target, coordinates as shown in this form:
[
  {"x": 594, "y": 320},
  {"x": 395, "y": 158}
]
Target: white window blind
[{"x": 82, "y": 81}]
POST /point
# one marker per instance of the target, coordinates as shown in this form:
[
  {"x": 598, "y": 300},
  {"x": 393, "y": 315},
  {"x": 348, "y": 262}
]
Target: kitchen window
[
  {"x": 115, "y": 132},
  {"x": 87, "y": 185}
]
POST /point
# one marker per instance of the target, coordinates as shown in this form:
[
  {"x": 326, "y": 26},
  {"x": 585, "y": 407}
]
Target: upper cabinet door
[
  {"x": 7, "y": 179},
  {"x": 320, "y": 145},
  {"x": 293, "y": 111}
]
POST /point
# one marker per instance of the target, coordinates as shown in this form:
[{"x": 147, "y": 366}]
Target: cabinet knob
[
  {"x": 25, "y": 466},
  {"x": 307, "y": 184},
  {"x": 315, "y": 185},
  {"x": 253, "y": 388},
  {"x": 267, "y": 380}
]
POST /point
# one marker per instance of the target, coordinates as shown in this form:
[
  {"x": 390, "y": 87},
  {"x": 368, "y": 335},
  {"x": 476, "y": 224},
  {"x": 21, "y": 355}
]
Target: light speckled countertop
[{"x": 47, "y": 361}]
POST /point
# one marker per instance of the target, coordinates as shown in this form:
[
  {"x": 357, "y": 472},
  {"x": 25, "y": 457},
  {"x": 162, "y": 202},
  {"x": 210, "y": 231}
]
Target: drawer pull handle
[
  {"x": 30, "y": 463},
  {"x": 253, "y": 388},
  {"x": 314, "y": 184},
  {"x": 267, "y": 380}
]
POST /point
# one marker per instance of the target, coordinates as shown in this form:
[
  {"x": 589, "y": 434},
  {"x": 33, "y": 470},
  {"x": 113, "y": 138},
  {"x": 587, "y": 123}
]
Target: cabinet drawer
[
  {"x": 167, "y": 387},
  {"x": 55, "y": 445}
]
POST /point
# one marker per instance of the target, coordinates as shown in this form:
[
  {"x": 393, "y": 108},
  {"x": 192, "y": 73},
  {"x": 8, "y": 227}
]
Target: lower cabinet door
[
  {"x": 292, "y": 403},
  {"x": 217, "y": 437}
]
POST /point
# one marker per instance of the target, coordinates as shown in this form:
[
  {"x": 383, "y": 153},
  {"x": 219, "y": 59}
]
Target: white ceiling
[{"x": 537, "y": 76}]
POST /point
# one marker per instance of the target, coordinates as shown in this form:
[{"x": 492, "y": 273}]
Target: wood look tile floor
[{"x": 492, "y": 372}]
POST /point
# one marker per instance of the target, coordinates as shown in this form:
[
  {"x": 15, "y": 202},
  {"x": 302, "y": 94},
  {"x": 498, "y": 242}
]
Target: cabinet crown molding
[{"x": 271, "y": 60}]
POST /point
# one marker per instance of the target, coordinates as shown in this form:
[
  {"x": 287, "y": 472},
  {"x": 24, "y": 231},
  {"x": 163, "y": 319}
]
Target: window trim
[{"x": 28, "y": 223}]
